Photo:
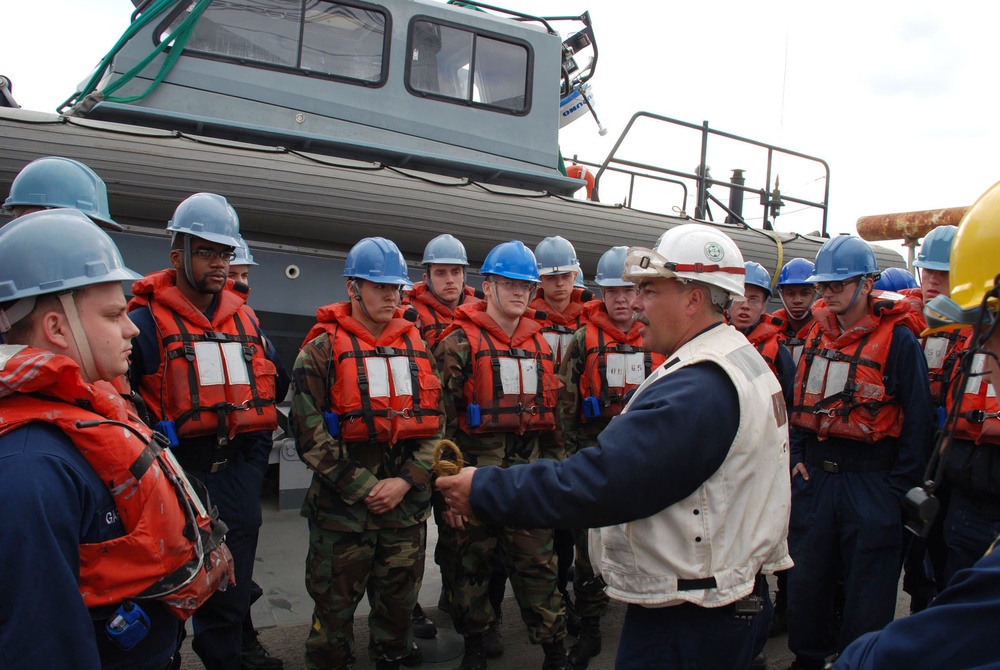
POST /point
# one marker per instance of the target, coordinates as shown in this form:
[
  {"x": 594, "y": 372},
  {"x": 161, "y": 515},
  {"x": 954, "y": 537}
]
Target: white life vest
[{"x": 736, "y": 523}]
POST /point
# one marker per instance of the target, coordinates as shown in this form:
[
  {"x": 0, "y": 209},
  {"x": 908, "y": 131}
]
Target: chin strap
[
  {"x": 356, "y": 284},
  {"x": 187, "y": 262},
  {"x": 79, "y": 336},
  {"x": 857, "y": 292}
]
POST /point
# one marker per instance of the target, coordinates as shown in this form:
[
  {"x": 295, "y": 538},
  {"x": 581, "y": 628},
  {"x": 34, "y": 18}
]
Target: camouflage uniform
[
  {"x": 588, "y": 590},
  {"x": 527, "y": 554},
  {"x": 350, "y": 548}
]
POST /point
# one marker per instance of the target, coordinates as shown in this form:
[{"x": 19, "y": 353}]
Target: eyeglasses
[
  {"x": 834, "y": 286},
  {"x": 212, "y": 254},
  {"x": 755, "y": 301},
  {"x": 511, "y": 285}
]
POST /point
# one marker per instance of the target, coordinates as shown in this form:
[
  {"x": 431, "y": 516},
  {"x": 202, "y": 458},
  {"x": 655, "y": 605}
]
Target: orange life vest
[
  {"x": 941, "y": 352},
  {"x": 432, "y": 314},
  {"x": 615, "y": 362},
  {"x": 558, "y": 328},
  {"x": 939, "y": 348},
  {"x": 839, "y": 390},
  {"x": 214, "y": 377},
  {"x": 766, "y": 338},
  {"x": 384, "y": 388},
  {"x": 979, "y": 413},
  {"x": 791, "y": 339},
  {"x": 172, "y": 550},
  {"x": 512, "y": 382}
]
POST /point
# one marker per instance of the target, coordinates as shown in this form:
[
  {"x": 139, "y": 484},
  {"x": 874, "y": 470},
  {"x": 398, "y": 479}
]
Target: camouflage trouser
[
  {"x": 444, "y": 554},
  {"x": 340, "y": 567},
  {"x": 588, "y": 591},
  {"x": 532, "y": 568}
]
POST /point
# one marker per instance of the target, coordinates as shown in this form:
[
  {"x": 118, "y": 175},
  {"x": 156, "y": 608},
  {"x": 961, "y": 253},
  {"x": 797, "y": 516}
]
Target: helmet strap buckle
[{"x": 16, "y": 312}]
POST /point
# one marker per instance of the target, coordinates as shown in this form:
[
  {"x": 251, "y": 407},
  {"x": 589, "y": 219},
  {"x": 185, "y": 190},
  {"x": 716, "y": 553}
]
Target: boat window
[
  {"x": 343, "y": 41},
  {"x": 330, "y": 38},
  {"x": 455, "y": 63}
]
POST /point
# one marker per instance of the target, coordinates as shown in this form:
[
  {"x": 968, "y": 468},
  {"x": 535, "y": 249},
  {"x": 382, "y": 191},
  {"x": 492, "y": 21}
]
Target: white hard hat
[{"x": 691, "y": 252}]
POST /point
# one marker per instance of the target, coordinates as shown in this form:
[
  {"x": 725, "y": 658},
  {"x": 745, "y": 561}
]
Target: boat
[{"x": 325, "y": 122}]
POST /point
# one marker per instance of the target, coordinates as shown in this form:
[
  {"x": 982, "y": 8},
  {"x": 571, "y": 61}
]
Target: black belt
[
  {"x": 837, "y": 467},
  {"x": 697, "y": 584},
  {"x": 682, "y": 584},
  {"x": 205, "y": 455}
]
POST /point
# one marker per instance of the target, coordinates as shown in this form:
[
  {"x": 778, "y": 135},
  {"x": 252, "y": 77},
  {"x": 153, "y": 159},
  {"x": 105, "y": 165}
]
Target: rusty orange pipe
[{"x": 907, "y": 225}]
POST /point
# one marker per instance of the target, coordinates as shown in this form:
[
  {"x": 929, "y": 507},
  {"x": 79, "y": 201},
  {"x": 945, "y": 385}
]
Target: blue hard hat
[
  {"x": 207, "y": 216},
  {"x": 935, "y": 252},
  {"x": 611, "y": 267},
  {"x": 895, "y": 279},
  {"x": 54, "y": 251},
  {"x": 556, "y": 255},
  {"x": 378, "y": 260},
  {"x": 54, "y": 183},
  {"x": 796, "y": 273},
  {"x": 512, "y": 260},
  {"x": 843, "y": 257},
  {"x": 757, "y": 276},
  {"x": 445, "y": 250},
  {"x": 243, "y": 255}
]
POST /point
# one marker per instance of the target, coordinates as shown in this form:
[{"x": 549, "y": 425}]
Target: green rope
[{"x": 176, "y": 40}]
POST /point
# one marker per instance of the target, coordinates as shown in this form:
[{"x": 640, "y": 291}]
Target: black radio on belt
[{"x": 749, "y": 607}]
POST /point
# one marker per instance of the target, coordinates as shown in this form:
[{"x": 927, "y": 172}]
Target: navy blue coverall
[
  {"x": 958, "y": 630},
  {"x": 218, "y": 624},
  {"x": 53, "y": 502},
  {"x": 847, "y": 520}
]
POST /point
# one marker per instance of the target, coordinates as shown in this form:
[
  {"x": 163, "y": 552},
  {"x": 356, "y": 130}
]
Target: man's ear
[
  {"x": 177, "y": 258},
  {"x": 695, "y": 299},
  {"x": 53, "y": 328}
]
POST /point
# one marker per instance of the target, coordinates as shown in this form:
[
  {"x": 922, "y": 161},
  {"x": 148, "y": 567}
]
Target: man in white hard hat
[{"x": 691, "y": 497}]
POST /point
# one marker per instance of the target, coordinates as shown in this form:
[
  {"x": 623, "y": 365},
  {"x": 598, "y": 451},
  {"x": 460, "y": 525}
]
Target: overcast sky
[{"x": 898, "y": 97}]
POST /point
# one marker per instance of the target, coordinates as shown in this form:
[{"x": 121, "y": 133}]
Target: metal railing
[{"x": 770, "y": 199}]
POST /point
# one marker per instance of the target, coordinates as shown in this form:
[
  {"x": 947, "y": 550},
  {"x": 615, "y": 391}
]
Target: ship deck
[{"x": 283, "y": 613}]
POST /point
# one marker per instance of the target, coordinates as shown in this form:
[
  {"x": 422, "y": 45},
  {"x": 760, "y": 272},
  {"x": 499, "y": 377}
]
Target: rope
[
  {"x": 443, "y": 465},
  {"x": 176, "y": 41},
  {"x": 448, "y": 461},
  {"x": 781, "y": 258}
]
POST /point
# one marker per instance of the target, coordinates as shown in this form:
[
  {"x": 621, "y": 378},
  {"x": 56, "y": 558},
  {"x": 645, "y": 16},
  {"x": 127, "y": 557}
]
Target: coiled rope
[
  {"x": 447, "y": 464},
  {"x": 448, "y": 461}
]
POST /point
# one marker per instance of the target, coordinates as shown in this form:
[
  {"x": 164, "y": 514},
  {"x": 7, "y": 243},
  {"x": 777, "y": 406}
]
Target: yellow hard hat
[{"x": 975, "y": 266}]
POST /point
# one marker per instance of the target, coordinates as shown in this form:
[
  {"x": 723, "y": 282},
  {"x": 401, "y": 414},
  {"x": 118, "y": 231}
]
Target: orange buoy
[{"x": 575, "y": 171}]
